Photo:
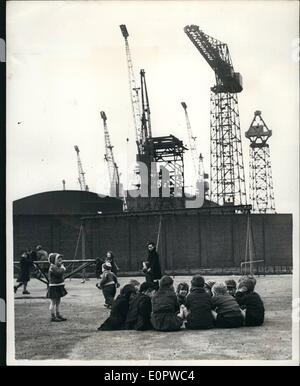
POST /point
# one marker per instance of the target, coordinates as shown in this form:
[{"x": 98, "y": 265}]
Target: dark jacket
[
  {"x": 154, "y": 265},
  {"x": 199, "y": 304},
  {"x": 25, "y": 268},
  {"x": 118, "y": 314},
  {"x": 255, "y": 310},
  {"x": 226, "y": 305},
  {"x": 139, "y": 314},
  {"x": 164, "y": 309}
]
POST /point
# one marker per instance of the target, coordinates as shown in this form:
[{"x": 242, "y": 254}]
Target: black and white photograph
[{"x": 152, "y": 189}]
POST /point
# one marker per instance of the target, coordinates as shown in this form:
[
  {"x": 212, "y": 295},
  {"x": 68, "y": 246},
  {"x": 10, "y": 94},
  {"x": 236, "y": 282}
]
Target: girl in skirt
[{"x": 56, "y": 289}]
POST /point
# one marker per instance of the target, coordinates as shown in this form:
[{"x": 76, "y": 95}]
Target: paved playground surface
[{"x": 36, "y": 338}]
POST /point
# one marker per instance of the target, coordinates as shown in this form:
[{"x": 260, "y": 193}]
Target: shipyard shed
[{"x": 53, "y": 219}]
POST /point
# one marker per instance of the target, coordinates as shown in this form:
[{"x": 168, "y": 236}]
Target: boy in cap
[
  {"x": 199, "y": 306},
  {"x": 231, "y": 286}
]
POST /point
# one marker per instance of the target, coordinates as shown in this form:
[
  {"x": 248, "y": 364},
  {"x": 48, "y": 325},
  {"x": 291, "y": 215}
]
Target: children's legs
[
  {"x": 24, "y": 286},
  {"x": 18, "y": 286},
  {"x": 57, "y": 304},
  {"x": 243, "y": 314},
  {"x": 214, "y": 314},
  {"x": 52, "y": 307}
]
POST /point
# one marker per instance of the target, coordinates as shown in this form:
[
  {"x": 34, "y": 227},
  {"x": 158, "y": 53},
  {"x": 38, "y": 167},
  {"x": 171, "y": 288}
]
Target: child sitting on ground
[
  {"x": 182, "y": 291},
  {"x": 251, "y": 302},
  {"x": 108, "y": 284},
  {"x": 119, "y": 310},
  {"x": 208, "y": 286},
  {"x": 165, "y": 307},
  {"x": 228, "y": 313},
  {"x": 231, "y": 286},
  {"x": 199, "y": 306},
  {"x": 140, "y": 307}
]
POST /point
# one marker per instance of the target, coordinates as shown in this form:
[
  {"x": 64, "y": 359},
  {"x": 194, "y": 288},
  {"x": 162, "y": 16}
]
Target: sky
[{"x": 66, "y": 62}]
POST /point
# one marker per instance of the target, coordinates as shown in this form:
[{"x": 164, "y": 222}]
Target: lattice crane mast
[
  {"x": 227, "y": 178},
  {"x": 261, "y": 181},
  {"x": 134, "y": 92},
  {"x": 146, "y": 131},
  {"x": 81, "y": 173},
  {"x": 192, "y": 141},
  {"x": 109, "y": 158}
]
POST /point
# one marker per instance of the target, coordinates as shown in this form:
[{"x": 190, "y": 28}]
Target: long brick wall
[{"x": 189, "y": 241}]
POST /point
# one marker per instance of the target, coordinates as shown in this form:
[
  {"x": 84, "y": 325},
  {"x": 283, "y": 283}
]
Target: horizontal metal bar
[{"x": 64, "y": 261}]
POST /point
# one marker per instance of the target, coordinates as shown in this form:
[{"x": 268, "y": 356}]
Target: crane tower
[
  {"x": 192, "y": 140},
  {"x": 109, "y": 158},
  {"x": 81, "y": 173},
  {"x": 227, "y": 179},
  {"x": 134, "y": 92},
  {"x": 261, "y": 182}
]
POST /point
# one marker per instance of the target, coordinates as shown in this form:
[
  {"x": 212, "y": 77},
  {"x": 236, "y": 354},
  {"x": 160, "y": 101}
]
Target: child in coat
[
  {"x": 199, "y": 306},
  {"x": 119, "y": 310},
  {"x": 108, "y": 284},
  {"x": 56, "y": 289},
  {"x": 165, "y": 307},
  {"x": 24, "y": 275},
  {"x": 251, "y": 302},
  {"x": 140, "y": 307},
  {"x": 228, "y": 313},
  {"x": 182, "y": 291}
]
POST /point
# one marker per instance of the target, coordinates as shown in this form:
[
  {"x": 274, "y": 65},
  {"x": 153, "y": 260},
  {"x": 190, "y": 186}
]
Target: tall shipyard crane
[
  {"x": 81, "y": 173},
  {"x": 200, "y": 175},
  {"x": 146, "y": 131},
  {"x": 134, "y": 92},
  {"x": 192, "y": 141},
  {"x": 109, "y": 158},
  {"x": 261, "y": 181},
  {"x": 227, "y": 178}
]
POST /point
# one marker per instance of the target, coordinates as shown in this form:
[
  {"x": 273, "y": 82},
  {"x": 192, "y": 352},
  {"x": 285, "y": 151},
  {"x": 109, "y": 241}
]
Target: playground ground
[{"x": 36, "y": 338}]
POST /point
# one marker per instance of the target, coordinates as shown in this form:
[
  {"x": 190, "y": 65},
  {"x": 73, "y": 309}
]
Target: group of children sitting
[{"x": 202, "y": 306}]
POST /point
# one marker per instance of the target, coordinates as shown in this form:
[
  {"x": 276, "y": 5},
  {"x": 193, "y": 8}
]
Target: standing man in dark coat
[{"x": 153, "y": 271}]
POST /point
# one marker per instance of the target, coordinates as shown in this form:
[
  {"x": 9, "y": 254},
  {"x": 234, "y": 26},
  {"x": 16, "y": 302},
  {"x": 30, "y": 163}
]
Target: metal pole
[
  {"x": 83, "y": 251},
  {"x": 159, "y": 229},
  {"x": 250, "y": 246}
]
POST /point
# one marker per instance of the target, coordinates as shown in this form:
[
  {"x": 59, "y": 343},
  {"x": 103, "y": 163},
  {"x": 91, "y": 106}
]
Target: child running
[
  {"x": 108, "y": 284},
  {"x": 56, "y": 289},
  {"x": 228, "y": 313},
  {"x": 24, "y": 276}
]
